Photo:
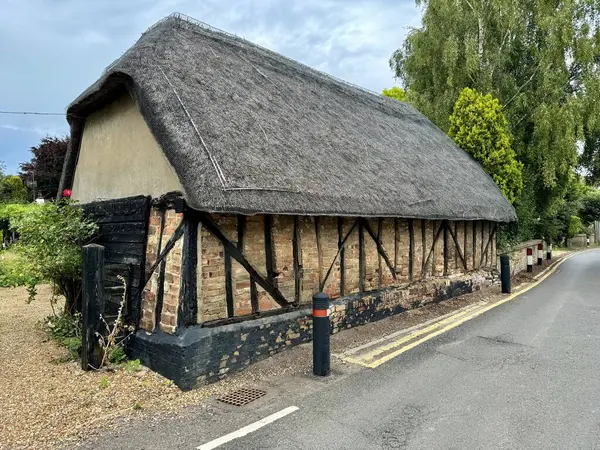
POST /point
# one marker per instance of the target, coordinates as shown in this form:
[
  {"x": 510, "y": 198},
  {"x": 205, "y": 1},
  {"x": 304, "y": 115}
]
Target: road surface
[{"x": 525, "y": 375}]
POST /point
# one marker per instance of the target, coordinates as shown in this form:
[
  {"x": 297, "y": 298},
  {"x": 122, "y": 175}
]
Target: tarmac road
[{"x": 524, "y": 375}]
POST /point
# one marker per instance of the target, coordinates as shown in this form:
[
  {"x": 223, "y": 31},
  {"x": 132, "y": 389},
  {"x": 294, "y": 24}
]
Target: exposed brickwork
[
  {"x": 351, "y": 252},
  {"x": 418, "y": 256},
  {"x": 172, "y": 282},
  {"x": 211, "y": 276},
  {"x": 309, "y": 258},
  {"x": 283, "y": 254},
  {"x": 147, "y": 319},
  {"x": 328, "y": 231},
  {"x": 314, "y": 264}
]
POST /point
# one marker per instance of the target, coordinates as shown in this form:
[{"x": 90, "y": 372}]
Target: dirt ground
[{"x": 46, "y": 403}]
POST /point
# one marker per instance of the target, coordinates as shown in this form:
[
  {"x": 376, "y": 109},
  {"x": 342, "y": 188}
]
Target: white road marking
[{"x": 248, "y": 429}]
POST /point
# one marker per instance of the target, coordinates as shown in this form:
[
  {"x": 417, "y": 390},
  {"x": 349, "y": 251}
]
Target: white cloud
[{"x": 35, "y": 130}]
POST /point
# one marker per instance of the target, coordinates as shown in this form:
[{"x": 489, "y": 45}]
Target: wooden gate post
[{"x": 93, "y": 305}]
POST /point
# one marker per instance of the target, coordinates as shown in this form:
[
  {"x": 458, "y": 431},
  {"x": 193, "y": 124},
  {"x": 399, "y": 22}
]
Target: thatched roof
[{"x": 250, "y": 131}]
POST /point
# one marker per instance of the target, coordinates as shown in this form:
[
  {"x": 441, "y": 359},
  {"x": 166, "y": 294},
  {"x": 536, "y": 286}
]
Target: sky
[{"x": 51, "y": 50}]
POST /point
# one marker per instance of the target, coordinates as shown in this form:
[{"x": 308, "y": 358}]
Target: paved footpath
[{"x": 524, "y": 375}]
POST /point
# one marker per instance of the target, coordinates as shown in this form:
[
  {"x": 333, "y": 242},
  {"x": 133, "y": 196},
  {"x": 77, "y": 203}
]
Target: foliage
[
  {"x": 103, "y": 383},
  {"x": 12, "y": 211},
  {"x": 133, "y": 366},
  {"x": 589, "y": 159},
  {"x": 45, "y": 167},
  {"x": 116, "y": 335},
  {"x": 65, "y": 329},
  {"x": 395, "y": 93},
  {"x": 12, "y": 189},
  {"x": 116, "y": 355},
  {"x": 590, "y": 208},
  {"x": 16, "y": 270},
  {"x": 575, "y": 226},
  {"x": 539, "y": 59},
  {"x": 51, "y": 236},
  {"x": 479, "y": 127}
]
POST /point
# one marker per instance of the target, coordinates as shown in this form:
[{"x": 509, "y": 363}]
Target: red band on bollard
[
  {"x": 540, "y": 246},
  {"x": 529, "y": 252},
  {"x": 320, "y": 312}
]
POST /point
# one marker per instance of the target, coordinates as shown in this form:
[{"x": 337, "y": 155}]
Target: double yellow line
[{"x": 367, "y": 360}]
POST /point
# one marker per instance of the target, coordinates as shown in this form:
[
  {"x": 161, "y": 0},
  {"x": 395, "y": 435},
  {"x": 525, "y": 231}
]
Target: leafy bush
[
  {"x": 12, "y": 211},
  {"x": 65, "y": 330},
  {"x": 590, "y": 208},
  {"x": 51, "y": 236},
  {"x": 15, "y": 270},
  {"x": 479, "y": 127},
  {"x": 116, "y": 355},
  {"x": 395, "y": 92},
  {"x": 575, "y": 226},
  {"x": 133, "y": 366}
]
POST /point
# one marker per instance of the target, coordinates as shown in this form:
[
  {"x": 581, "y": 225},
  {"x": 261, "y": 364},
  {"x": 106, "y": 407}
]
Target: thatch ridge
[{"x": 250, "y": 131}]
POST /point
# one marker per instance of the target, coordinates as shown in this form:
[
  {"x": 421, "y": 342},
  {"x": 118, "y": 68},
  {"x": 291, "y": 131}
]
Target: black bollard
[
  {"x": 549, "y": 251},
  {"x": 529, "y": 259},
  {"x": 321, "y": 352},
  {"x": 505, "y": 273},
  {"x": 540, "y": 253}
]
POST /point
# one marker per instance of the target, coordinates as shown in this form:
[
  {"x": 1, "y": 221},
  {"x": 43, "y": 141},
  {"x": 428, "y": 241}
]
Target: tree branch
[{"x": 522, "y": 86}]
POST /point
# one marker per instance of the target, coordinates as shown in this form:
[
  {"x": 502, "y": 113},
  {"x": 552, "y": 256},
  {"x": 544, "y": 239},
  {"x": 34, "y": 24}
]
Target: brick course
[
  {"x": 172, "y": 282},
  {"x": 314, "y": 260}
]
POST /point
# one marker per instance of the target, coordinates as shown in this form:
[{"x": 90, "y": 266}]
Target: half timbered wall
[{"x": 246, "y": 265}]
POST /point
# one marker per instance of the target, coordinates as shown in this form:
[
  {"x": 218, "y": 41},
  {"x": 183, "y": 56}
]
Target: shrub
[
  {"x": 116, "y": 355},
  {"x": 479, "y": 127},
  {"x": 15, "y": 270},
  {"x": 51, "y": 236},
  {"x": 65, "y": 330},
  {"x": 590, "y": 208},
  {"x": 575, "y": 226},
  {"x": 133, "y": 366}
]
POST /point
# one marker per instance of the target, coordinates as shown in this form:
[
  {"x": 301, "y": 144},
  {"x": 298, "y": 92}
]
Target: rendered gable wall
[{"x": 119, "y": 157}]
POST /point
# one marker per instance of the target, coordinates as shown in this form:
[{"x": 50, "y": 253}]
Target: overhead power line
[{"x": 35, "y": 113}]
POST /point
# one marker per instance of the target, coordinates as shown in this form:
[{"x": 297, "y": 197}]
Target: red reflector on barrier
[
  {"x": 529, "y": 252},
  {"x": 320, "y": 312}
]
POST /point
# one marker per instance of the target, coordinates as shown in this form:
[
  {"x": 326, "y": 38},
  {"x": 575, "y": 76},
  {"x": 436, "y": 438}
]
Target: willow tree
[{"x": 539, "y": 58}]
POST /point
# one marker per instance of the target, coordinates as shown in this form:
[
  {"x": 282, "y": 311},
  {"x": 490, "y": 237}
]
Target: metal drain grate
[{"x": 242, "y": 396}]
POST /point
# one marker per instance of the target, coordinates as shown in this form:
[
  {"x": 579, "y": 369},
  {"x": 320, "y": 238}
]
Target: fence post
[
  {"x": 92, "y": 305},
  {"x": 529, "y": 259}
]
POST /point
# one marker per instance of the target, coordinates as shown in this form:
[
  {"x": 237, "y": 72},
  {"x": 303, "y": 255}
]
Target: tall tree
[
  {"x": 539, "y": 58},
  {"x": 478, "y": 126},
  {"x": 12, "y": 190},
  {"x": 45, "y": 167}
]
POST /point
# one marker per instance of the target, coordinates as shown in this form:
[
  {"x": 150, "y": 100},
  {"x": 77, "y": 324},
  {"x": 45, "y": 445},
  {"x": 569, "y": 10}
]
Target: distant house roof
[{"x": 250, "y": 131}]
